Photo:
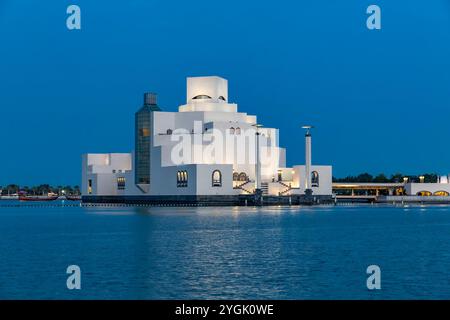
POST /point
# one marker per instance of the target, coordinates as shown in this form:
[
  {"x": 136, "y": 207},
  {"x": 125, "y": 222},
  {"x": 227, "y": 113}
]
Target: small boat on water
[
  {"x": 23, "y": 197},
  {"x": 73, "y": 198}
]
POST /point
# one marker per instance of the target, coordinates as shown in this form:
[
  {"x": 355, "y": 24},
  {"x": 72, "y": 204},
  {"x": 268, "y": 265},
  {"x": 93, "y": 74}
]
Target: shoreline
[{"x": 62, "y": 203}]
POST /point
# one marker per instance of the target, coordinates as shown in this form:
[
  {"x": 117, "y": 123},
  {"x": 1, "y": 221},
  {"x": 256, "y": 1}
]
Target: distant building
[
  {"x": 405, "y": 191},
  {"x": 439, "y": 188},
  {"x": 206, "y": 149}
]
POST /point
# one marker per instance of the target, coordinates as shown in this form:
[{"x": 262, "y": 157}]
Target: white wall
[
  {"x": 212, "y": 86},
  {"x": 204, "y": 180},
  {"x": 325, "y": 180},
  {"x": 103, "y": 184},
  {"x": 164, "y": 181},
  {"x": 413, "y": 188},
  {"x": 103, "y": 169},
  {"x": 201, "y": 139}
]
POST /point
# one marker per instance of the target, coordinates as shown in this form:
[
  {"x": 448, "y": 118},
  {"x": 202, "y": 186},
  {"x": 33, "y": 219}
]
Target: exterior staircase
[
  {"x": 242, "y": 187},
  {"x": 288, "y": 188},
  {"x": 265, "y": 188}
]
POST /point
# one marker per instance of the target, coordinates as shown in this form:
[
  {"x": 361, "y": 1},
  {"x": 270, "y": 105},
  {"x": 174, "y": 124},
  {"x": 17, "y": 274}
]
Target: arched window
[
  {"x": 314, "y": 179},
  {"x": 169, "y": 131},
  {"x": 121, "y": 183},
  {"x": 242, "y": 176},
  {"x": 185, "y": 178},
  {"x": 216, "y": 178},
  {"x": 441, "y": 193},
  {"x": 238, "y": 130},
  {"x": 201, "y": 96},
  {"x": 232, "y": 130},
  {"x": 182, "y": 179},
  {"x": 424, "y": 193},
  {"x": 222, "y": 98},
  {"x": 235, "y": 176}
]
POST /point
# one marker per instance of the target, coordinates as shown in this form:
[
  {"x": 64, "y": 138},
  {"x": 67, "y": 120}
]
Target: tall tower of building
[
  {"x": 308, "y": 189},
  {"x": 143, "y": 141}
]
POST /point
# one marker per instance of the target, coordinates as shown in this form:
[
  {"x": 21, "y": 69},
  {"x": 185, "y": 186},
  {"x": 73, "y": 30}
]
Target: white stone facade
[{"x": 206, "y": 148}]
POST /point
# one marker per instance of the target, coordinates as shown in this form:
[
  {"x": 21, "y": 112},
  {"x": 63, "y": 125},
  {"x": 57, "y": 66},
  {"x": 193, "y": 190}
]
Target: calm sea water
[{"x": 224, "y": 253}]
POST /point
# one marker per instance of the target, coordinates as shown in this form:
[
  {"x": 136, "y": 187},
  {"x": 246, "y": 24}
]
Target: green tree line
[
  {"x": 40, "y": 189},
  {"x": 382, "y": 178}
]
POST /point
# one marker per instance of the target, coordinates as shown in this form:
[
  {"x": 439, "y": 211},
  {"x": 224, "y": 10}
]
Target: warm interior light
[{"x": 145, "y": 132}]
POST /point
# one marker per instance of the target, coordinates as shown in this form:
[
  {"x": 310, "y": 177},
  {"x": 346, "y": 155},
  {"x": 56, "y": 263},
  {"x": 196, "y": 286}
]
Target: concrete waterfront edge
[{"x": 208, "y": 200}]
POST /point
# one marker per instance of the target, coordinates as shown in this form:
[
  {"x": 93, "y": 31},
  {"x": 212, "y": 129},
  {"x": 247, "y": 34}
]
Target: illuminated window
[
  {"x": 216, "y": 178},
  {"x": 121, "y": 183},
  {"x": 441, "y": 193},
  {"x": 182, "y": 179},
  {"x": 89, "y": 186},
  {"x": 314, "y": 179},
  {"x": 424, "y": 193},
  {"x": 202, "y": 96},
  {"x": 243, "y": 176},
  {"x": 144, "y": 132}
]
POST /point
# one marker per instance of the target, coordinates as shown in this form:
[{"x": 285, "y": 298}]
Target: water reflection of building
[{"x": 153, "y": 170}]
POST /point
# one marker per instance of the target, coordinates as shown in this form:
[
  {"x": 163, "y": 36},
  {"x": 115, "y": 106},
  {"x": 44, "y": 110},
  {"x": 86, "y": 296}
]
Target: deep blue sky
[{"x": 380, "y": 99}]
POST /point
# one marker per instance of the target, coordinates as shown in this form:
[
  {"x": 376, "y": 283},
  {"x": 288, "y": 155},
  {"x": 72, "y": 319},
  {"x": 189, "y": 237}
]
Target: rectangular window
[
  {"x": 145, "y": 132},
  {"x": 121, "y": 183},
  {"x": 89, "y": 186}
]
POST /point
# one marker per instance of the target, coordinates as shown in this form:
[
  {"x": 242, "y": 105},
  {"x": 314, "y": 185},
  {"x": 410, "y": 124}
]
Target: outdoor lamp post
[{"x": 258, "y": 191}]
